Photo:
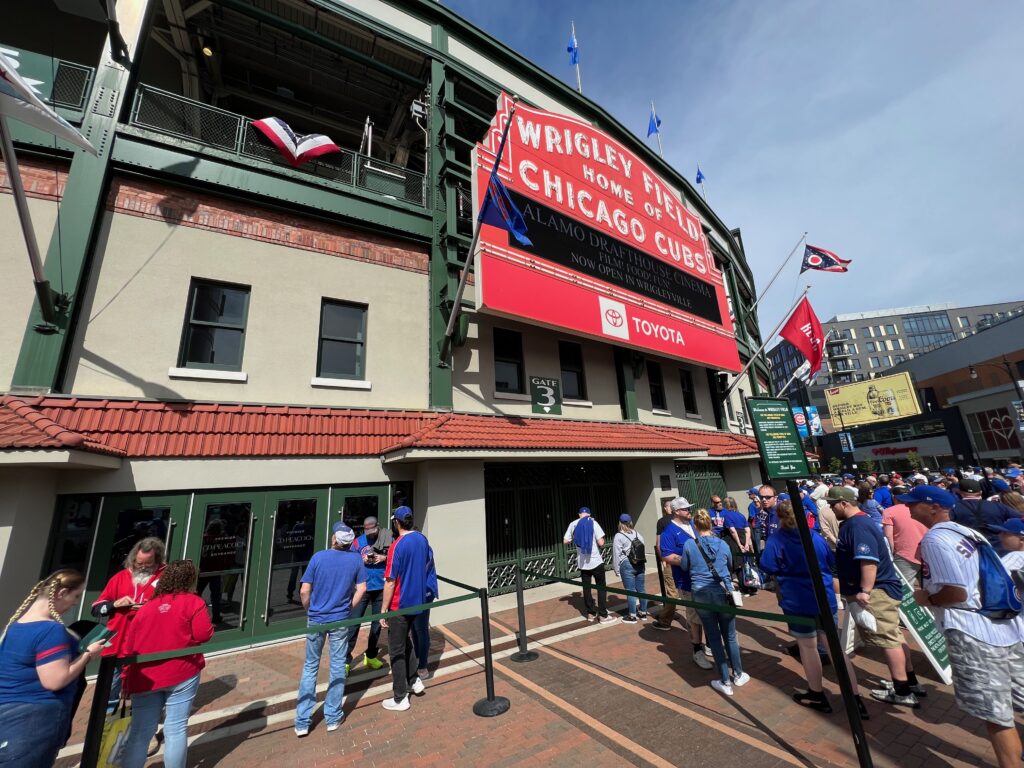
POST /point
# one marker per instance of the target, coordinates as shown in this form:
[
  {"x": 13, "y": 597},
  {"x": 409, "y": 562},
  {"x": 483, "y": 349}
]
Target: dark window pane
[
  {"x": 222, "y": 561},
  {"x": 358, "y": 508},
  {"x": 573, "y": 380},
  {"x": 219, "y": 304},
  {"x": 343, "y": 321},
  {"x": 213, "y": 346},
  {"x": 689, "y": 396},
  {"x": 657, "y": 386},
  {"x": 508, "y": 344},
  {"x": 507, "y": 377},
  {"x": 572, "y": 386},
  {"x": 508, "y": 361},
  {"x": 133, "y": 525},
  {"x": 294, "y": 531},
  {"x": 73, "y": 533},
  {"x": 340, "y": 359}
]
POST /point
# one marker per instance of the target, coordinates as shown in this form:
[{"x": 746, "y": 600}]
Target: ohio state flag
[{"x": 803, "y": 331}]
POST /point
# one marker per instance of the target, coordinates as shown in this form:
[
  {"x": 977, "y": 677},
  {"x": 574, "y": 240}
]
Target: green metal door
[{"x": 698, "y": 481}]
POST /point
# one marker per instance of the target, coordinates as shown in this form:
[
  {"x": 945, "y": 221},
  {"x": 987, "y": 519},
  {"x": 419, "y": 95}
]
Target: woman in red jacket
[{"x": 174, "y": 618}]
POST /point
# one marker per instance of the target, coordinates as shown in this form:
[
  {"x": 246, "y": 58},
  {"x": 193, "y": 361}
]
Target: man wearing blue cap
[
  {"x": 974, "y": 510},
  {"x": 986, "y": 655},
  {"x": 588, "y": 536},
  {"x": 333, "y": 584}
]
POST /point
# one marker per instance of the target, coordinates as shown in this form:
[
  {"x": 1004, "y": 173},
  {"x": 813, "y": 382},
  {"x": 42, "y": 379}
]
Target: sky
[{"x": 890, "y": 132}]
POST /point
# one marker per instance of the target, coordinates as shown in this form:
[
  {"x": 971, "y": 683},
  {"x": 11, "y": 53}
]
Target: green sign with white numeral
[{"x": 546, "y": 395}]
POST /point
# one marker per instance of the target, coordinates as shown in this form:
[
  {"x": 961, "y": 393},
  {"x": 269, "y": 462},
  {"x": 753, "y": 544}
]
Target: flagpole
[
  {"x": 579, "y": 82},
  {"x": 28, "y": 231},
  {"x": 777, "y": 273},
  {"x": 464, "y": 278},
  {"x": 796, "y": 373},
  {"x": 703, "y": 191},
  {"x": 657, "y": 133},
  {"x": 769, "y": 337}
]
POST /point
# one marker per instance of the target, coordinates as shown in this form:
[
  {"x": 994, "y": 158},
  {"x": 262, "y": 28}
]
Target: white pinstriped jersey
[
  {"x": 949, "y": 557},
  {"x": 1015, "y": 561}
]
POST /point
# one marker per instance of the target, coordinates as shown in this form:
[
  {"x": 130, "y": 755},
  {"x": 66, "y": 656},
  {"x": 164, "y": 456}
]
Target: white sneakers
[
  {"x": 300, "y": 732},
  {"x": 333, "y": 726},
  {"x": 701, "y": 660},
  {"x": 741, "y": 679},
  {"x": 418, "y": 687},
  {"x": 396, "y": 706},
  {"x": 609, "y": 619},
  {"x": 723, "y": 688}
]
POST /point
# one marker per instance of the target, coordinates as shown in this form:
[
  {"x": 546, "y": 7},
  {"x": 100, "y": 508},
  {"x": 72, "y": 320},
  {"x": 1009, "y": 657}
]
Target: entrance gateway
[{"x": 251, "y": 546}]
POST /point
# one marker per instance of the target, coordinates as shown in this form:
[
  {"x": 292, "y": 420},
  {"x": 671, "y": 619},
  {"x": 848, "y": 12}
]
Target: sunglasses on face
[{"x": 766, "y": 497}]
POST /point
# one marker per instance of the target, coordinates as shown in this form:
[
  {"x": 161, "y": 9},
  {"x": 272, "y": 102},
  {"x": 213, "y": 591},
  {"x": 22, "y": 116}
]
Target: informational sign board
[
  {"x": 546, "y": 395},
  {"x": 926, "y": 633},
  {"x": 616, "y": 255},
  {"x": 868, "y": 402},
  {"x": 777, "y": 438},
  {"x": 800, "y": 419},
  {"x": 846, "y": 442}
]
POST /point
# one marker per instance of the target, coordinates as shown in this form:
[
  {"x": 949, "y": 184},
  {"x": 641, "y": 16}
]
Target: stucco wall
[{"x": 26, "y": 512}]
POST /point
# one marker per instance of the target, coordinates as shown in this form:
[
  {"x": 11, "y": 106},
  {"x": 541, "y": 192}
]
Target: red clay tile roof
[{"x": 142, "y": 429}]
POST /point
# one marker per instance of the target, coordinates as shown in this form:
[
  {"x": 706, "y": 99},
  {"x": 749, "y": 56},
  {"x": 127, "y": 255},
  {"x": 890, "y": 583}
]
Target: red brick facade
[
  {"x": 41, "y": 178},
  {"x": 152, "y": 200}
]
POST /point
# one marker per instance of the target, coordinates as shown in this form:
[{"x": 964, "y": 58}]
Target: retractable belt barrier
[{"x": 490, "y": 706}]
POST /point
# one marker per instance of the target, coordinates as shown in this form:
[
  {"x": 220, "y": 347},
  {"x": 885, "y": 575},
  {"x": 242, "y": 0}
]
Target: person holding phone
[{"x": 39, "y": 670}]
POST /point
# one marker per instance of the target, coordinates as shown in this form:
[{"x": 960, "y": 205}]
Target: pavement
[{"x": 598, "y": 695}]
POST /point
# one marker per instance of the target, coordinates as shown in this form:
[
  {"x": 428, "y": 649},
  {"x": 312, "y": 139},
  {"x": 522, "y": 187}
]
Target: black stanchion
[
  {"x": 522, "y": 654},
  {"x": 493, "y": 705},
  {"x": 98, "y": 712}
]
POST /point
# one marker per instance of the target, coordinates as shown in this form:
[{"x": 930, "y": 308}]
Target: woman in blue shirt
[
  {"x": 709, "y": 563},
  {"x": 39, "y": 669},
  {"x": 784, "y": 558}
]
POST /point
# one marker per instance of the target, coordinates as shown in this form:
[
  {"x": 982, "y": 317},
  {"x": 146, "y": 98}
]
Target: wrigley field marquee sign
[{"x": 616, "y": 255}]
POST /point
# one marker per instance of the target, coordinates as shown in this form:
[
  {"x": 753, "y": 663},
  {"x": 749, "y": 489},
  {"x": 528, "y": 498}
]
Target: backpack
[
  {"x": 636, "y": 555},
  {"x": 999, "y": 596}
]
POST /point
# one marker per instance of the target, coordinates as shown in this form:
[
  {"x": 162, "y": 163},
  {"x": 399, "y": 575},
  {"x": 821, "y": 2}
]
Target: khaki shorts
[
  {"x": 689, "y": 611},
  {"x": 887, "y": 616}
]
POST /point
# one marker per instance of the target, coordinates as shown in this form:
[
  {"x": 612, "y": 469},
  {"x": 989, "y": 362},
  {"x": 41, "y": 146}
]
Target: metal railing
[
  {"x": 193, "y": 121},
  {"x": 71, "y": 85}
]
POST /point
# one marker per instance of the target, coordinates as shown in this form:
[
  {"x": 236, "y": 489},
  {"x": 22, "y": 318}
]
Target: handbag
[
  {"x": 751, "y": 578},
  {"x": 732, "y": 596},
  {"x": 115, "y": 734}
]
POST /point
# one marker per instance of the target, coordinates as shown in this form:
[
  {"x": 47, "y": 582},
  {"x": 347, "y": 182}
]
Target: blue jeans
[
  {"x": 633, "y": 580},
  {"x": 421, "y": 635},
  {"x": 32, "y": 733},
  {"x": 115, "y": 691},
  {"x": 338, "y": 639},
  {"x": 719, "y": 628},
  {"x": 146, "y": 710},
  {"x": 371, "y": 599}
]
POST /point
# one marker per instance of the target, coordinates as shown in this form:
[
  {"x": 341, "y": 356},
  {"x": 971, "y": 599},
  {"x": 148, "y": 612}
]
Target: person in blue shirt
[
  {"x": 333, "y": 584},
  {"x": 671, "y": 544},
  {"x": 784, "y": 558},
  {"x": 708, "y": 562},
  {"x": 421, "y": 624},
  {"x": 736, "y": 533},
  {"x": 869, "y": 582},
  {"x": 366, "y": 544},
  {"x": 753, "y": 512},
  {"x": 717, "y": 513},
  {"x": 883, "y": 493},
  {"x": 868, "y": 505}
]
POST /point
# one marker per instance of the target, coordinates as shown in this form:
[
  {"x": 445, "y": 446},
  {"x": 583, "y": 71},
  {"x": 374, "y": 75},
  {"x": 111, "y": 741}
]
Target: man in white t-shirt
[
  {"x": 586, "y": 533},
  {"x": 986, "y": 655}
]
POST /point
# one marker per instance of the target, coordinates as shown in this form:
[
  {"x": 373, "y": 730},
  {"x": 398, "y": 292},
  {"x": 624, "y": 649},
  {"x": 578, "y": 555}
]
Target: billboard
[
  {"x": 616, "y": 256},
  {"x": 868, "y": 402}
]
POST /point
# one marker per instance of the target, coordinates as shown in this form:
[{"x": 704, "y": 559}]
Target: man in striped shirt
[{"x": 987, "y": 655}]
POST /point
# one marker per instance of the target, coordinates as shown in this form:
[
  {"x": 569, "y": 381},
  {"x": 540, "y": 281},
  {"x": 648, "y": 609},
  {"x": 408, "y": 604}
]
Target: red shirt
[
  {"x": 166, "y": 623},
  {"x": 122, "y": 584}
]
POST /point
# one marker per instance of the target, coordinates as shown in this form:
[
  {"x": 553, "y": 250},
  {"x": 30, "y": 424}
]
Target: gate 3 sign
[
  {"x": 615, "y": 254},
  {"x": 546, "y": 395}
]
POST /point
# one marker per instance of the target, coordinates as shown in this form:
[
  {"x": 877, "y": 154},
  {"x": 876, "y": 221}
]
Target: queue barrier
[{"x": 490, "y": 706}]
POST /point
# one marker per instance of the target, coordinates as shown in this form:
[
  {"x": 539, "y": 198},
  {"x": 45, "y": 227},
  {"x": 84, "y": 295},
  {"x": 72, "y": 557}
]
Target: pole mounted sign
[
  {"x": 615, "y": 254},
  {"x": 781, "y": 449}
]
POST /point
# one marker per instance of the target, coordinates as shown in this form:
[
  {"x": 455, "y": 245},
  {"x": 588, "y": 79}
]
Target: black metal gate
[
  {"x": 528, "y": 508},
  {"x": 698, "y": 481}
]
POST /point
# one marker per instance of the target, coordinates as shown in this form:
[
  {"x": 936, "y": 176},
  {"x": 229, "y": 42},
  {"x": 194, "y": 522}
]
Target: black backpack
[{"x": 636, "y": 555}]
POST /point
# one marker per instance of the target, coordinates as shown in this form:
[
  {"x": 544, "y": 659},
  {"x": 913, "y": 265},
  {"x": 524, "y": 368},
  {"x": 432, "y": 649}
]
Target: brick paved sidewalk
[{"x": 599, "y": 695}]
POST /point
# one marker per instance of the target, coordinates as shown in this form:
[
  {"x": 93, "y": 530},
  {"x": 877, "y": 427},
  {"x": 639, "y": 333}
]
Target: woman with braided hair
[{"x": 39, "y": 669}]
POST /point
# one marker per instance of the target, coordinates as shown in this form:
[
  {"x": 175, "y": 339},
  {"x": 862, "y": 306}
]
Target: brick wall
[
  {"x": 152, "y": 200},
  {"x": 44, "y": 179}
]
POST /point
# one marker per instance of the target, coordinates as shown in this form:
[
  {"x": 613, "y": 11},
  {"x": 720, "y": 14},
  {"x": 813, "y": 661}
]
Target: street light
[{"x": 1005, "y": 368}]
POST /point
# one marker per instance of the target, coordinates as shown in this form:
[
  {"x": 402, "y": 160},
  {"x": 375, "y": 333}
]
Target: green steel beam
[{"x": 442, "y": 286}]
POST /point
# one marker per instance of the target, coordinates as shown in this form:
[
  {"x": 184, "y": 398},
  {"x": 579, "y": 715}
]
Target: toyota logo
[{"x": 614, "y": 318}]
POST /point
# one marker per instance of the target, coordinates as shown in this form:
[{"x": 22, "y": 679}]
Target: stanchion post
[
  {"x": 98, "y": 712},
  {"x": 492, "y": 706},
  {"x": 522, "y": 654}
]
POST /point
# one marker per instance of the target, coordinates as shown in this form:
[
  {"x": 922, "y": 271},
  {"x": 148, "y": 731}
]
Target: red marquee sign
[{"x": 616, "y": 256}]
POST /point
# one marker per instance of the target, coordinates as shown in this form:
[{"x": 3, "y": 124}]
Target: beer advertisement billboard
[
  {"x": 615, "y": 254},
  {"x": 867, "y": 402}
]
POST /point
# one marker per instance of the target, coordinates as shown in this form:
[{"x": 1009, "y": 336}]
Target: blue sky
[{"x": 890, "y": 131}]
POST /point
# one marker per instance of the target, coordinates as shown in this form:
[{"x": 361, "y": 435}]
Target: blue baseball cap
[
  {"x": 402, "y": 513},
  {"x": 343, "y": 534},
  {"x": 929, "y": 494},
  {"x": 1015, "y": 525},
  {"x": 1012, "y": 473},
  {"x": 754, "y": 491},
  {"x": 1000, "y": 485},
  {"x": 624, "y": 518},
  {"x": 584, "y": 511},
  {"x": 847, "y": 476},
  {"x": 783, "y": 497}
]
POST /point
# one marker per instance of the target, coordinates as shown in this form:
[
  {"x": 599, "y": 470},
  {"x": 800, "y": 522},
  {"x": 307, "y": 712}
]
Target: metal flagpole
[
  {"x": 769, "y": 337},
  {"x": 777, "y": 273},
  {"x": 457, "y": 306},
  {"x": 657, "y": 131},
  {"x": 21, "y": 203},
  {"x": 703, "y": 191},
  {"x": 579, "y": 82}
]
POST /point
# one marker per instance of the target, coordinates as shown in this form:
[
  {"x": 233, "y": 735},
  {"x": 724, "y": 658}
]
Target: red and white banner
[
  {"x": 616, "y": 256},
  {"x": 803, "y": 331}
]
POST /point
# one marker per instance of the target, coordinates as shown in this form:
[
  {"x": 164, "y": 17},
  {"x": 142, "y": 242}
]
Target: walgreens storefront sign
[{"x": 615, "y": 255}]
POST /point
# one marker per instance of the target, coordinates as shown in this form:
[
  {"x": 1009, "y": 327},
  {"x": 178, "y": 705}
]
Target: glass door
[
  {"x": 354, "y": 503},
  {"x": 123, "y": 521}
]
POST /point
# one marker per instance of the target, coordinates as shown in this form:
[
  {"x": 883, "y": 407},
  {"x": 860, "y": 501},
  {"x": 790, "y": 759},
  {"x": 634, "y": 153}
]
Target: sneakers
[
  {"x": 918, "y": 690},
  {"x": 347, "y": 668},
  {"x": 889, "y": 696},
  {"x": 396, "y": 706},
  {"x": 702, "y": 661},
  {"x": 372, "y": 663},
  {"x": 590, "y": 617},
  {"x": 741, "y": 679},
  {"x": 723, "y": 688},
  {"x": 816, "y": 701},
  {"x": 629, "y": 619},
  {"x": 423, "y": 674},
  {"x": 300, "y": 732},
  {"x": 609, "y": 619},
  {"x": 418, "y": 687},
  {"x": 641, "y": 615},
  {"x": 656, "y": 624},
  {"x": 708, "y": 652},
  {"x": 333, "y": 726}
]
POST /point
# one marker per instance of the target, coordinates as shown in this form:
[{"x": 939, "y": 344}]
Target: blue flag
[
  {"x": 700, "y": 175},
  {"x": 574, "y": 49},
  {"x": 498, "y": 210},
  {"x": 653, "y": 125}
]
